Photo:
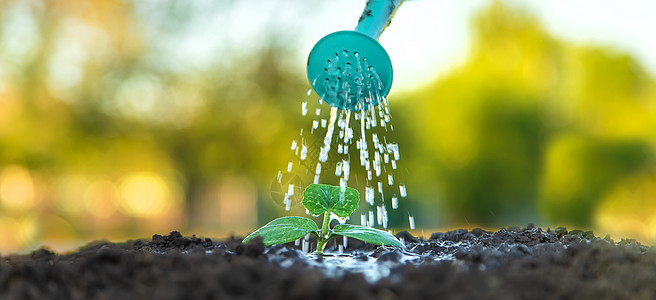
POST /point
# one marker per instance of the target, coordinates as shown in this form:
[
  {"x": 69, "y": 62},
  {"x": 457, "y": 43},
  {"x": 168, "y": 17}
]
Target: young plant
[{"x": 323, "y": 199}]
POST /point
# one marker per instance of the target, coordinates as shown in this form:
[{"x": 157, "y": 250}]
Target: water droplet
[
  {"x": 308, "y": 92},
  {"x": 305, "y": 246},
  {"x": 379, "y": 215},
  {"x": 402, "y": 190},
  {"x": 338, "y": 169},
  {"x": 395, "y": 202},
  {"x": 290, "y": 189},
  {"x": 369, "y": 195},
  {"x": 304, "y": 151},
  {"x": 289, "y": 166},
  {"x": 317, "y": 173},
  {"x": 411, "y": 220}
]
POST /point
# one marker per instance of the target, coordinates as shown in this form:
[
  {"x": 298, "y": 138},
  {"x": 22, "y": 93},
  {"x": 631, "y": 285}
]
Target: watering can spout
[
  {"x": 350, "y": 69},
  {"x": 377, "y": 15}
]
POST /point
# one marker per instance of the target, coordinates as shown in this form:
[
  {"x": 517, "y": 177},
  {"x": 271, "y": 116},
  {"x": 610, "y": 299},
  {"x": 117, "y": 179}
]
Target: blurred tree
[
  {"x": 528, "y": 123},
  {"x": 96, "y": 94}
]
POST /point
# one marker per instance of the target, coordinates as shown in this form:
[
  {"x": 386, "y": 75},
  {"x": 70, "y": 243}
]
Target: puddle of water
[{"x": 338, "y": 263}]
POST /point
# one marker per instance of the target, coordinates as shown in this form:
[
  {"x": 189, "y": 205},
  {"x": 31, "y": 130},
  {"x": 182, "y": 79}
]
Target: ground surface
[{"x": 514, "y": 263}]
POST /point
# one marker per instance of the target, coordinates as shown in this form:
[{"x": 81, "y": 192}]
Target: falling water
[{"x": 352, "y": 137}]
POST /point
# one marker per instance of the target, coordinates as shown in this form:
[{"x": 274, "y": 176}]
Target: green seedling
[{"x": 327, "y": 200}]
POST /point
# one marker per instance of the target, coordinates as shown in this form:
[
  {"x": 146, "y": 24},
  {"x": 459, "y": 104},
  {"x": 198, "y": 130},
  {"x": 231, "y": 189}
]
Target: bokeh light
[
  {"x": 145, "y": 195},
  {"x": 16, "y": 189},
  {"x": 101, "y": 198}
]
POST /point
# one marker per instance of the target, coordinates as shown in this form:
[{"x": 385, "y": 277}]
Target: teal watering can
[{"x": 350, "y": 69}]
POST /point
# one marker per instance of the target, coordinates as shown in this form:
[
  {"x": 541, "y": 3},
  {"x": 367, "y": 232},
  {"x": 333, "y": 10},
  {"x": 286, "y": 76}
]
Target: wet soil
[{"x": 512, "y": 263}]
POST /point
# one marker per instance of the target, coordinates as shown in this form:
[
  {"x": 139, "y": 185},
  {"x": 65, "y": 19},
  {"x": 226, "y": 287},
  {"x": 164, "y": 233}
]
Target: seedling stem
[{"x": 324, "y": 237}]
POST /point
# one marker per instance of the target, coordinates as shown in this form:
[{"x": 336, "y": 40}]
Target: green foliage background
[{"x": 530, "y": 127}]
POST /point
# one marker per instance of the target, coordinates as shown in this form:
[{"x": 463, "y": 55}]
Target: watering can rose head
[
  {"x": 350, "y": 69},
  {"x": 323, "y": 199}
]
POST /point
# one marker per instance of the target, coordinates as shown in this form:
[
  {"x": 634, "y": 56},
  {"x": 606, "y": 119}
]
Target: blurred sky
[
  {"x": 427, "y": 37},
  {"x": 626, "y": 25}
]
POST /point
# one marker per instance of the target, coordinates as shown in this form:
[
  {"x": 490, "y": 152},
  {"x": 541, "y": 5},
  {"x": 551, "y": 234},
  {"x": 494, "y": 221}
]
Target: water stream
[{"x": 349, "y": 147}]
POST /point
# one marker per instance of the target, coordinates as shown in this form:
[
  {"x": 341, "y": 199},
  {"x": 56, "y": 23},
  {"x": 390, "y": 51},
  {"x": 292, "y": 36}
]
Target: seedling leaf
[
  {"x": 284, "y": 230},
  {"x": 320, "y": 198},
  {"x": 368, "y": 235}
]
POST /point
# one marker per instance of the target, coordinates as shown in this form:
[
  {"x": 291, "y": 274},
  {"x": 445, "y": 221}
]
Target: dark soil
[{"x": 513, "y": 263}]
